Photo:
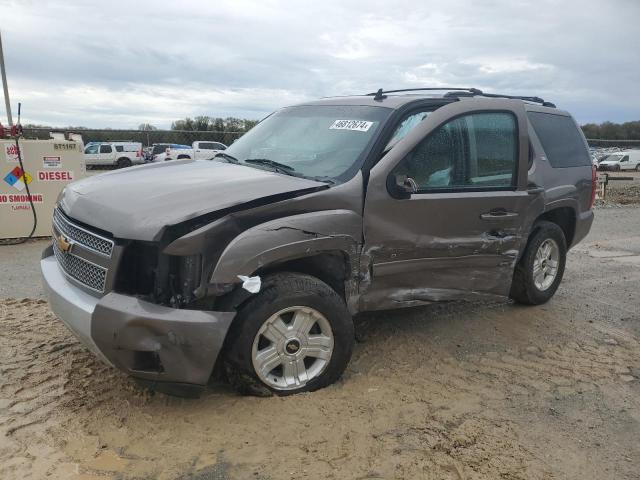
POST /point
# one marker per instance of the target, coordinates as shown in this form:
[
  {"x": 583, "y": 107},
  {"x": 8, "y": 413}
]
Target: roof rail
[
  {"x": 539, "y": 100},
  {"x": 454, "y": 92},
  {"x": 380, "y": 94}
]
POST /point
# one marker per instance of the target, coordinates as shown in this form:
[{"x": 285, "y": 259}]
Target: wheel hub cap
[
  {"x": 545, "y": 264},
  {"x": 292, "y": 347}
]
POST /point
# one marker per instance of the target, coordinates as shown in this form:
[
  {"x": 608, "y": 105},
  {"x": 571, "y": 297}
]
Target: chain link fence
[
  {"x": 187, "y": 137},
  {"x": 146, "y": 137}
]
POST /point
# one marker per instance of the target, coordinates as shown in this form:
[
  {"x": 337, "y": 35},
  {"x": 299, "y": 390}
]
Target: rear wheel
[
  {"x": 638, "y": 167},
  {"x": 296, "y": 335},
  {"x": 123, "y": 162},
  {"x": 539, "y": 272}
]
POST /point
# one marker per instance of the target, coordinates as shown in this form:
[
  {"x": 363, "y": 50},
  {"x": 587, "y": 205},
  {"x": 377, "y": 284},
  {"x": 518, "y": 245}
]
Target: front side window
[
  {"x": 625, "y": 159},
  {"x": 478, "y": 151},
  {"x": 408, "y": 124},
  {"x": 105, "y": 148},
  {"x": 91, "y": 149}
]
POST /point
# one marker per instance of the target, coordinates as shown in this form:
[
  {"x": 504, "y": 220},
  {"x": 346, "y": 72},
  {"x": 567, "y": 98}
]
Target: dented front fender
[{"x": 287, "y": 238}]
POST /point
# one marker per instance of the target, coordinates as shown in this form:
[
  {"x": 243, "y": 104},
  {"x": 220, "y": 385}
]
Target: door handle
[
  {"x": 498, "y": 214},
  {"x": 535, "y": 190}
]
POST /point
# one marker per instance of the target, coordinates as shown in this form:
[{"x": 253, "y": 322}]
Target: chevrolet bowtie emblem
[{"x": 63, "y": 244}]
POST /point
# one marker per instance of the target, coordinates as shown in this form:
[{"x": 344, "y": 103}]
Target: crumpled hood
[{"x": 138, "y": 202}]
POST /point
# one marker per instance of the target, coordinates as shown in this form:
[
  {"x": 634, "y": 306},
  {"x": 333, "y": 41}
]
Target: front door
[{"x": 456, "y": 226}]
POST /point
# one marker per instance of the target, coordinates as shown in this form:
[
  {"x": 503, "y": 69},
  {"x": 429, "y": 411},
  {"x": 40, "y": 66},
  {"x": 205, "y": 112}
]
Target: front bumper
[{"x": 162, "y": 346}]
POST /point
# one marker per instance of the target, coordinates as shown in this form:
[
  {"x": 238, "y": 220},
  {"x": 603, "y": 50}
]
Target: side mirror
[
  {"x": 406, "y": 184},
  {"x": 402, "y": 185}
]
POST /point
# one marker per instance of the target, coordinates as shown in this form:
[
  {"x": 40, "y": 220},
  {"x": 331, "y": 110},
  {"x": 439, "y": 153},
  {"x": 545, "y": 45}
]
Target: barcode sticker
[{"x": 357, "y": 125}]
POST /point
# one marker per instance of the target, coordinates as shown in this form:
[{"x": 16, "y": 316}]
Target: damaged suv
[{"x": 254, "y": 263}]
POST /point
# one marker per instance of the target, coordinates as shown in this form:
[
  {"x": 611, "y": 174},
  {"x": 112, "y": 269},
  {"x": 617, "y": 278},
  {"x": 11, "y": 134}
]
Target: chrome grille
[
  {"x": 95, "y": 242},
  {"x": 88, "y": 274}
]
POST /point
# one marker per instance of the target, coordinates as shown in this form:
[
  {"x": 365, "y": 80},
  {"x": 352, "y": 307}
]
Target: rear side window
[
  {"x": 560, "y": 139},
  {"x": 119, "y": 148},
  {"x": 105, "y": 149}
]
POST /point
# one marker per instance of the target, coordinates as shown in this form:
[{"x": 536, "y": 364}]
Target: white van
[
  {"x": 629, "y": 160},
  {"x": 119, "y": 154}
]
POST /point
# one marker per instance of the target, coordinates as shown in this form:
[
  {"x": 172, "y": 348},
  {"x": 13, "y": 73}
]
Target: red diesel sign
[{"x": 65, "y": 176}]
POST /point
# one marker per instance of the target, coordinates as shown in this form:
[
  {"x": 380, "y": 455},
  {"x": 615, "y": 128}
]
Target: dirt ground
[{"x": 451, "y": 391}]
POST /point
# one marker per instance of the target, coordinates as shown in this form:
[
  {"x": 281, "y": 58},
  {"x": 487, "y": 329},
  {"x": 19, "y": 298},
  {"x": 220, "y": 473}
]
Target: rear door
[
  {"x": 459, "y": 232},
  {"x": 106, "y": 155}
]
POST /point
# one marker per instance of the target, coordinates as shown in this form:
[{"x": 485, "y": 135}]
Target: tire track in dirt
[{"x": 413, "y": 404}]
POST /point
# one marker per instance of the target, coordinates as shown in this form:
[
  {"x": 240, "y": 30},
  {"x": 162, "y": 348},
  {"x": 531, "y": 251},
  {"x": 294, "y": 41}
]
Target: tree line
[
  {"x": 612, "y": 131},
  {"x": 203, "y": 123}
]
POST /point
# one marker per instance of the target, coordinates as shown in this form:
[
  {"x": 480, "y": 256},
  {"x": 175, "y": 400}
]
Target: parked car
[
  {"x": 200, "y": 150},
  {"x": 173, "y": 151},
  {"x": 629, "y": 160},
  {"x": 119, "y": 154},
  {"x": 257, "y": 262}
]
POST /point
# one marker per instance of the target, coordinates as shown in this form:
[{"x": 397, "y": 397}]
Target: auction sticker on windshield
[{"x": 357, "y": 125}]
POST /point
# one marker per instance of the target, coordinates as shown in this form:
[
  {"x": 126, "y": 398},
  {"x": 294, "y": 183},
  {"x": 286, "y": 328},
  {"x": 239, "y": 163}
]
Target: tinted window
[
  {"x": 159, "y": 148},
  {"x": 207, "y": 146},
  {"x": 105, "y": 148},
  {"x": 91, "y": 149},
  {"x": 477, "y": 151},
  {"x": 119, "y": 148},
  {"x": 561, "y": 139},
  {"x": 219, "y": 146}
]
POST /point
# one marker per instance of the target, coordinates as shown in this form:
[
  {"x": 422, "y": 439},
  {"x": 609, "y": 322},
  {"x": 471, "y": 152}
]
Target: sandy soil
[{"x": 455, "y": 391}]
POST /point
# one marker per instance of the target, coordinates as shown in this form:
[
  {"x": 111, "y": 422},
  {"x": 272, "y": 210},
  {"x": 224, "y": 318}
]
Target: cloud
[{"x": 118, "y": 64}]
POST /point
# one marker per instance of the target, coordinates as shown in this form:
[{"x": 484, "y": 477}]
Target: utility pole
[{"x": 7, "y": 102}]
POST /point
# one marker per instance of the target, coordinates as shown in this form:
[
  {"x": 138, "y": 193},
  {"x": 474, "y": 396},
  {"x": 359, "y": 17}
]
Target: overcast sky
[{"x": 121, "y": 63}]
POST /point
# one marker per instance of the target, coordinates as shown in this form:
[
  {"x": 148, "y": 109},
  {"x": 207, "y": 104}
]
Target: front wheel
[
  {"x": 296, "y": 335},
  {"x": 539, "y": 272}
]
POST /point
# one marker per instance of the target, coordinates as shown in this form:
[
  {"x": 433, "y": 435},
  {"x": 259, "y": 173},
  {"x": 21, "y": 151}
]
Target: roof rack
[
  {"x": 454, "y": 92},
  {"x": 380, "y": 94}
]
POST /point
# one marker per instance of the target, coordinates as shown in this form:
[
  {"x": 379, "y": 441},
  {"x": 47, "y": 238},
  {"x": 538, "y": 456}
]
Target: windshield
[
  {"x": 613, "y": 158},
  {"x": 320, "y": 142}
]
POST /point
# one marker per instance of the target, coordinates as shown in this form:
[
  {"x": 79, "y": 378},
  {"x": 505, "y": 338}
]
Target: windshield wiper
[
  {"x": 227, "y": 157},
  {"x": 281, "y": 167}
]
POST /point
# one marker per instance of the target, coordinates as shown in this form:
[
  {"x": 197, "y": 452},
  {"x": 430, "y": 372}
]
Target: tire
[
  {"x": 616, "y": 168},
  {"x": 638, "y": 167},
  {"x": 280, "y": 293},
  {"x": 525, "y": 288},
  {"x": 184, "y": 157},
  {"x": 123, "y": 162}
]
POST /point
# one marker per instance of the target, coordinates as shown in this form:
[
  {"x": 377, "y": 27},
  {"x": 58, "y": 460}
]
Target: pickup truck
[
  {"x": 118, "y": 154},
  {"x": 200, "y": 150}
]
